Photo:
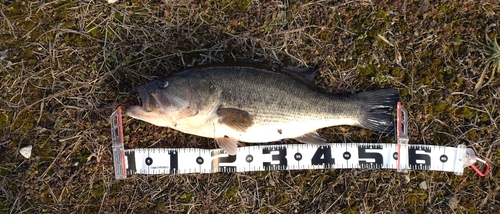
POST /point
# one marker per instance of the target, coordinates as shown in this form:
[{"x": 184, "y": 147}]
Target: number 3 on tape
[{"x": 401, "y": 156}]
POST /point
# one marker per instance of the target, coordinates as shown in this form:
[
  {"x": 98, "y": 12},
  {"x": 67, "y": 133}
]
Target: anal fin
[
  {"x": 312, "y": 138},
  {"x": 230, "y": 145}
]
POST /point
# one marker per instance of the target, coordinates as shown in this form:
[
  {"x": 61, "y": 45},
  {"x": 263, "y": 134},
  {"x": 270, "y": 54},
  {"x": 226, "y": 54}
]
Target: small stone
[
  {"x": 423, "y": 185},
  {"x": 3, "y": 54},
  {"x": 407, "y": 178},
  {"x": 26, "y": 151},
  {"x": 453, "y": 202},
  {"x": 112, "y": 1}
]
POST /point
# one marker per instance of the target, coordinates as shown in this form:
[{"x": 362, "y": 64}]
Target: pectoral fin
[
  {"x": 188, "y": 112},
  {"x": 230, "y": 145},
  {"x": 312, "y": 138},
  {"x": 235, "y": 118}
]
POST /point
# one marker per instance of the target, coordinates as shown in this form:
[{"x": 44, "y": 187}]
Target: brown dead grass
[{"x": 70, "y": 63}]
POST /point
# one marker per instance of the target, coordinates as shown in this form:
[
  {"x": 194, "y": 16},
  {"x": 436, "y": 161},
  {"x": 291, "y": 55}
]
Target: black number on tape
[
  {"x": 323, "y": 156},
  {"x": 419, "y": 161},
  {"x": 219, "y": 160},
  {"x": 174, "y": 161},
  {"x": 130, "y": 157},
  {"x": 363, "y": 154},
  {"x": 281, "y": 157}
]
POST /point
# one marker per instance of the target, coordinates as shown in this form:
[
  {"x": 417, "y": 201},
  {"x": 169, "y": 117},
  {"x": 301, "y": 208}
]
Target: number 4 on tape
[{"x": 401, "y": 156}]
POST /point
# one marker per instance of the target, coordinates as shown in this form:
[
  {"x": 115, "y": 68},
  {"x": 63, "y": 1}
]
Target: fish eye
[{"x": 162, "y": 84}]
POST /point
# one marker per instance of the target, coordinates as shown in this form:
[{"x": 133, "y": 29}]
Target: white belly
[{"x": 262, "y": 133}]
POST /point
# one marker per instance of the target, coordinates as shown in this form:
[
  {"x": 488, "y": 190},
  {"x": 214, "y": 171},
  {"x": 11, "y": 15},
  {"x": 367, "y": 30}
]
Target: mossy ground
[{"x": 70, "y": 63}]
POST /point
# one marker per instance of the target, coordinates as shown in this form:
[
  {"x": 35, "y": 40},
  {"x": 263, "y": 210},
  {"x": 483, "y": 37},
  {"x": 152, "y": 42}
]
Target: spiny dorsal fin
[
  {"x": 235, "y": 118},
  {"x": 305, "y": 76}
]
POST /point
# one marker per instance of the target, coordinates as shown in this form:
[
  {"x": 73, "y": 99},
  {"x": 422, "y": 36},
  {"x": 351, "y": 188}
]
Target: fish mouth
[{"x": 148, "y": 101}]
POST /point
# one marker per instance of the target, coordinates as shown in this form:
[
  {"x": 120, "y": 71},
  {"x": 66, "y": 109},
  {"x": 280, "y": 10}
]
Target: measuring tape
[{"x": 401, "y": 156}]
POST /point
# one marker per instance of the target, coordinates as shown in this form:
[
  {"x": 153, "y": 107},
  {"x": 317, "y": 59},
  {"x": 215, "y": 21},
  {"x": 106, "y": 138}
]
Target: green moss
[
  {"x": 382, "y": 14},
  {"x": 61, "y": 12},
  {"x": 111, "y": 33},
  {"x": 186, "y": 197},
  {"x": 416, "y": 200},
  {"x": 472, "y": 134},
  {"x": 98, "y": 191},
  {"x": 283, "y": 200},
  {"x": 29, "y": 25},
  {"x": 439, "y": 107},
  {"x": 425, "y": 80},
  {"x": 94, "y": 31},
  {"x": 119, "y": 16},
  {"x": 28, "y": 54},
  {"x": 59, "y": 121},
  {"x": 16, "y": 8},
  {"x": 483, "y": 117},
  {"x": 67, "y": 24},
  {"x": 81, "y": 41},
  {"x": 4, "y": 171},
  {"x": 230, "y": 193},
  {"x": 353, "y": 209},
  {"x": 467, "y": 113},
  {"x": 397, "y": 72},
  {"x": 366, "y": 71},
  {"x": 25, "y": 122},
  {"x": 136, "y": 9},
  {"x": 380, "y": 78},
  {"x": 456, "y": 40},
  {"x": 263, "y": 210},
  {"x": 404, "y": 92},
  {"x": 49, "y": 37},
  {"x": 160, "y": 207},
  {"x": 4, "y": 119},
  {"x": 67, "y": 38},
  {"x": 236, "y": 6},
  {"x": 7, "y": 77}
]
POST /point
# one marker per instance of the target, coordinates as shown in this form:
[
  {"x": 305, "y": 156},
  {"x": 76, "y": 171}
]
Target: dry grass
[{"x": 70, "y": 63}]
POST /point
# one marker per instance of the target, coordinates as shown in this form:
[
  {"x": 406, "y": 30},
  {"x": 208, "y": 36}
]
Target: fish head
[{"x": 167, "y": 101}]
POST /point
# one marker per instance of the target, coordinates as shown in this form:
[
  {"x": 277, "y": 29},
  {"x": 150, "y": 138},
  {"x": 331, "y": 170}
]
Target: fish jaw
[{"x": 155, "y": 117}]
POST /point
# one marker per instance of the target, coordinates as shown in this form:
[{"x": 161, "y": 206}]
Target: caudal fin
[{"x": 376, "y": 107}]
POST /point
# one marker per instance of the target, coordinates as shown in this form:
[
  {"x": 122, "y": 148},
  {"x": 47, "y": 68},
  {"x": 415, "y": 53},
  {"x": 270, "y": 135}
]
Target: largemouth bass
[{"x": 255, "y": 104}]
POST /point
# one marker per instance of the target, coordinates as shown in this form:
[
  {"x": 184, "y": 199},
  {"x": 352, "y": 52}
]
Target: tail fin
[{"x": 376, "y": 106}]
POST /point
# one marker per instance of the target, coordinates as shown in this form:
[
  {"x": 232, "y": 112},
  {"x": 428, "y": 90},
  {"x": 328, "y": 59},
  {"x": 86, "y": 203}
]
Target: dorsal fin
[{"x": 304, "y": 75}]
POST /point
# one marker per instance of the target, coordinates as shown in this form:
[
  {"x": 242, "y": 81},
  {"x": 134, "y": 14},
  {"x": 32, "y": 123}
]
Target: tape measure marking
[
  {"x": 288, "y": 157},
  {"x": 401, "y": 156}
]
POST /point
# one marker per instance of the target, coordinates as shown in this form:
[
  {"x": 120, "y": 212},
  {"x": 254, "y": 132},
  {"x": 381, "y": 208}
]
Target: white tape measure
[{"x": 401, "y": 156}]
